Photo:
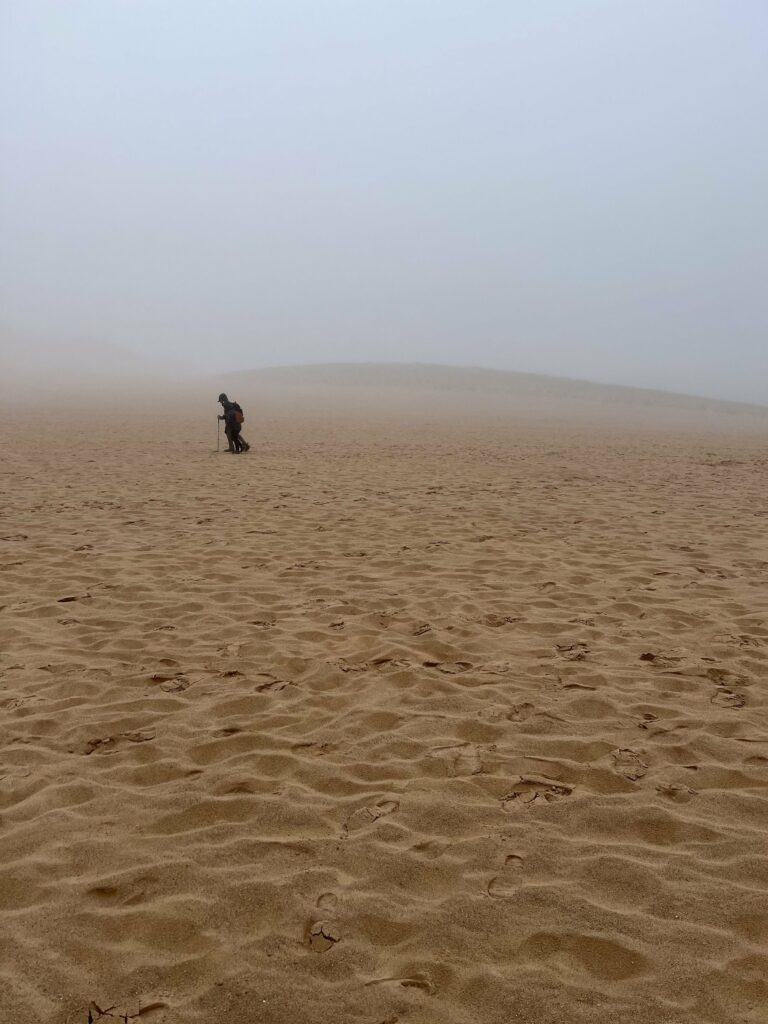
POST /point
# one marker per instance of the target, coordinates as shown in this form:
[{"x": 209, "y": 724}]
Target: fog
[{"x": 572, "y": 188}]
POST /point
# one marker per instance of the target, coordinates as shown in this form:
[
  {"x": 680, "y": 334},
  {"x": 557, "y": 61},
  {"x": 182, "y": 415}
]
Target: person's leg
[
  {"x": 244, "y": 443},
  {"x": 236, "y": 440},
  {"x": 230, "y": 442}
]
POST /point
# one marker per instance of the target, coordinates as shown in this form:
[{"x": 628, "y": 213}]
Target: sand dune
[
  {"x": 427, "y": 377},
  {"x": 403, "y": 718}
]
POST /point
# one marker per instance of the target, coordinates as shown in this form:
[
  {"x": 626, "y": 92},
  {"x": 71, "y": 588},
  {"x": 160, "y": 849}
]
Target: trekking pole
[{"x": 218, "y": 435}]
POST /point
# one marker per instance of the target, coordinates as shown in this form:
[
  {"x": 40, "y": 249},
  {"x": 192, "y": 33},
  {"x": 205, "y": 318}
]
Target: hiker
[{"x": 233, "y": 418}]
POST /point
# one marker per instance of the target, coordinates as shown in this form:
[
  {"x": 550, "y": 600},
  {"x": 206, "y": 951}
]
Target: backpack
[{"x": 239, "y": 415}]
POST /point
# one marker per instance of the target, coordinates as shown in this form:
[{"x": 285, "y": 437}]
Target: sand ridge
[{"x": 383, "y": 722}]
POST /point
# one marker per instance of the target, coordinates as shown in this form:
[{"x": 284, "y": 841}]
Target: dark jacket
[{"x": 230, "y": 419}]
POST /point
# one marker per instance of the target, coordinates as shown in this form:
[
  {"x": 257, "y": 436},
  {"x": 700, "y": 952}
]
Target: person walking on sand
[{"x": 233, "y": 418}]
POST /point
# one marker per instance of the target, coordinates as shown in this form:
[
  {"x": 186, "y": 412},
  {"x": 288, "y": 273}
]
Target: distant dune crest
[
  {"x": 111, "y": 374},
  {"x": 441, "y": 378}
]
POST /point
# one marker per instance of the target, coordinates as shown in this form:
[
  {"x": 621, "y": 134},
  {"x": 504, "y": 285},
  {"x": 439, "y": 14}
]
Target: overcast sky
[{"x": 562, "y": 186}]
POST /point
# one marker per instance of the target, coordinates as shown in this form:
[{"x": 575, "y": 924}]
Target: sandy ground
[{"x": 445, "y": 720}]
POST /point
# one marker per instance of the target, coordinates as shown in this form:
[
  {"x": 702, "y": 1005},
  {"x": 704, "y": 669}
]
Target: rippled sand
[{"x": 407, "y": 718}]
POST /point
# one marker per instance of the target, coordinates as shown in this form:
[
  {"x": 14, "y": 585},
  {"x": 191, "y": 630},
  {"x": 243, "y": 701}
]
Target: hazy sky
[{"x": 565, "y": 186}]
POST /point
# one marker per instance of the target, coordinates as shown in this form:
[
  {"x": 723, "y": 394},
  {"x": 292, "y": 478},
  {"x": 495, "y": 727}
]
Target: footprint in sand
[
  {"x": 520, "y": 712},
  {"x": 728, "y": 699},
  {"x": 647, "y": 720},
  {"x": 315, "y": 748},
  {"x": 175, "y": 683},
  {"x": 723, "y": 678},
  {"x": 459, "y": 759},
  {"x": 364, "y": 816},
  {"x": 142, "y": 1011},
  {"x": 533, "y": 789},
  {"x": 507, "y": 884},
  {"x": 661, "y": 659},
  {"x": 573, "y": 651},
  {"x": 419, "y": 980},
  {"x": 629, "y": 764},
  {"x": 386, "y": 662},
  {"x": 677, "y": 792},
  {"x": 573, "y": 684},
  {"x": 491, "y": 714},
  {"x": 739, "y": 639},
  {"x": 323, "y": 933},
  {"x": 328, "y": 901},
  {"x": 430, "y": 849},
  {"x": 497, "y": 621},
  {"x": 449, "y": 668},
  {"x": 12, "y": 703},
  {"x": 376, "y": 664},
  {"x": 267, "y": 683},
  {"x": 109, "y": 744},
  {"x": 322, "y": 936},
  {"x": 125, "y": 895}
]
